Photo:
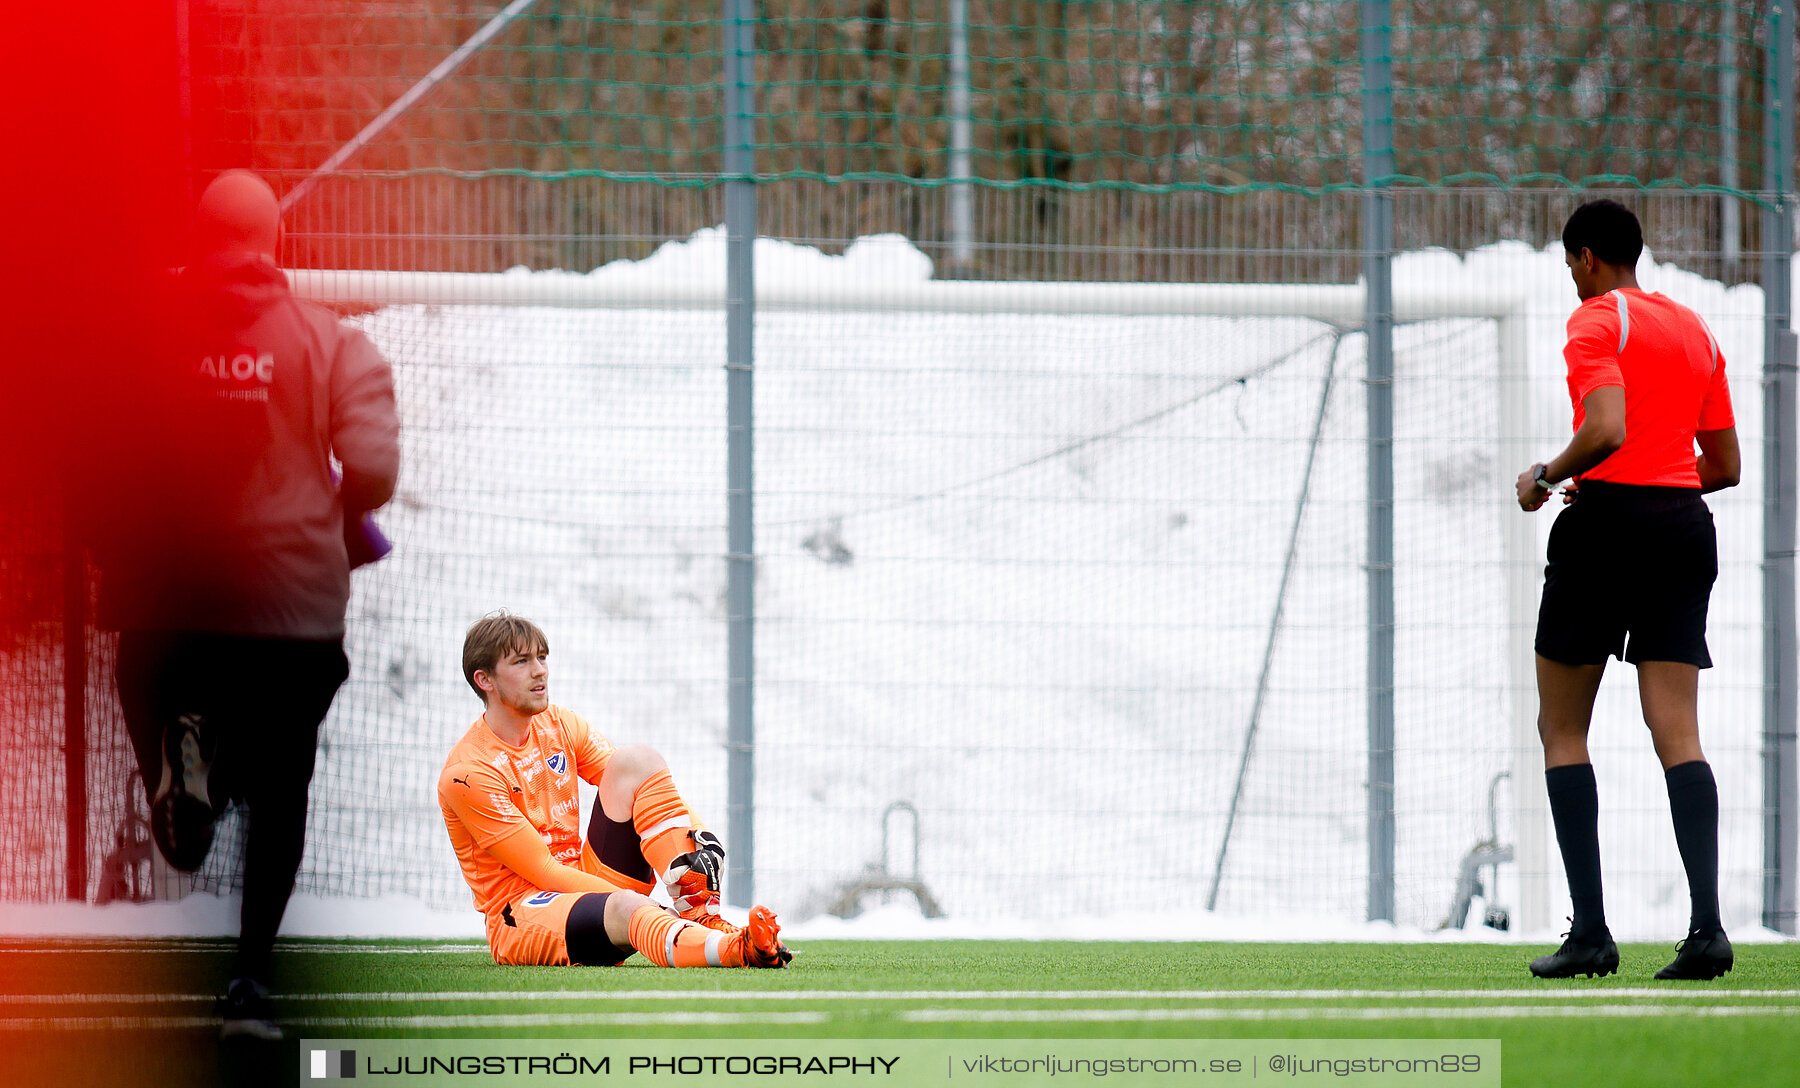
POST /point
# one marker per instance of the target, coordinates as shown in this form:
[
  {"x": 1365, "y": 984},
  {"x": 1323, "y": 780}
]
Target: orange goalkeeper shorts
[{"x": 533, "y": 930}]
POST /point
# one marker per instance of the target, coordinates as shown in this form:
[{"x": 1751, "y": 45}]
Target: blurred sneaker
[
  {"x": 247, "y": 1011},
  {"x": 1702, "y": 956},
  {"x": 181, "y": 813}
]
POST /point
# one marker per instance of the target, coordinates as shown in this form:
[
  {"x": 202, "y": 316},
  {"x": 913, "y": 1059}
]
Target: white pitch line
[
  {"x": 552, "y": 1019},
  {"x": 1670, "y": 993},
  {"x": 518, "y": 1020},
  {"x": 1052, "y": 995},
  {"x": 111, "y": 1023},
  {"x": 1331, "y": 1012},
  {"x": 528, "y": 1020}
]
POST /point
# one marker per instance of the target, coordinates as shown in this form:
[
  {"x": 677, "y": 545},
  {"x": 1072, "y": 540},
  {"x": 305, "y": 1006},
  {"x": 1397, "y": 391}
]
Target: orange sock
[
  {"x": 667, "y": 941},
  {"x": 662, "y": 820}
]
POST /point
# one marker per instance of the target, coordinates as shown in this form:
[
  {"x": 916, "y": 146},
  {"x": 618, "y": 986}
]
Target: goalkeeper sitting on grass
[{"x": 509, "y": 800}]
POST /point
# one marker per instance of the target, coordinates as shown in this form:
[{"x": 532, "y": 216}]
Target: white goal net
[{"x": 1039, "y": 567}]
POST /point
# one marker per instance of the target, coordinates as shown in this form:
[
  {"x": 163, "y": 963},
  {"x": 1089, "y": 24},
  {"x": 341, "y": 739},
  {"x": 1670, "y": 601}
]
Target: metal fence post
[
  {"x": 75, "y": 677},
  {"x": 962, "y": 189},
  {"x": 1730, "y": 211},
  {"x": 1378, "y": 328},
  {"x": 740, "y": 559},
  {"x": 184, "y": 96},
  {"x": 1781, "y": 806}
]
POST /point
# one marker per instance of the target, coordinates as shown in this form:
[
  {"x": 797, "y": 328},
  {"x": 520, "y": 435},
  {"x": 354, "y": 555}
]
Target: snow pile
[{"x": 1016, "y": 576}]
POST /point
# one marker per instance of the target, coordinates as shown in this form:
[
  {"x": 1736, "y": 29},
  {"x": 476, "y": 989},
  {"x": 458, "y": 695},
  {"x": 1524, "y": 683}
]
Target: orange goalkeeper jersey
[{"x": 489, "y": 790}]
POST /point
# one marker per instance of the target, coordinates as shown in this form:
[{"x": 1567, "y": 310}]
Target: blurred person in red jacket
[{"x": 225, "y": 559}]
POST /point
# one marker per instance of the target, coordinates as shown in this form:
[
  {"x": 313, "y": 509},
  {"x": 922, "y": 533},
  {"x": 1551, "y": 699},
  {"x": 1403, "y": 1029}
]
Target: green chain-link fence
[
  {"x": 519, "y": 155},
  {"x": 1146, "y": 95}
]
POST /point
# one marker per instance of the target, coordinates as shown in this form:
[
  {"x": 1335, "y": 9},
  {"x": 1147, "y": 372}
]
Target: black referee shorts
[{"x": 1629, "y": 560}]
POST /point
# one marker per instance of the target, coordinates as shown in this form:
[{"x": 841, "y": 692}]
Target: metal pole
[
  {"x": 1781, "y": 797},
  {"x": 184, "y": 96},
  {"x": 1730, "y": 213},
  {"x": 1781, "y": 806},
  {"x": 75, "y": 593},
  {"x": 740, "y": 559},
  {"x": 406, "y": 101},
  {"x": 1378, "y": 327},
  {"x": 962, "y": 138}
]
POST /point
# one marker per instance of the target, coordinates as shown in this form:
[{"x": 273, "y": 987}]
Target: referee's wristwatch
[{"x": 1541, "y": 477}]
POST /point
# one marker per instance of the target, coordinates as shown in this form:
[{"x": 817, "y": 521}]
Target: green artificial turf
[{"x": 1688, "y": 1034}]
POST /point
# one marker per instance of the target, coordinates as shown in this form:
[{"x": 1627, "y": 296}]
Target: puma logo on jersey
[{"x": 464, "y": 781}]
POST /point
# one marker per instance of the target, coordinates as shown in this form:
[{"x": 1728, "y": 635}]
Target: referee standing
[{"x": 1632, "y": 561}]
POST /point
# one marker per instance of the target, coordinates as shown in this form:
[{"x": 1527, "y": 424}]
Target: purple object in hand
[{"x": 364, "y": 542}]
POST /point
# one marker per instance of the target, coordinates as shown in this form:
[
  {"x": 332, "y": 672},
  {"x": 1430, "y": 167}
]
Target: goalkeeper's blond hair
[{"x": 493, "y": 636}]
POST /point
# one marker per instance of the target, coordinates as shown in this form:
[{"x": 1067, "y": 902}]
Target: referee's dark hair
[{"x": 1608, "y": 230}]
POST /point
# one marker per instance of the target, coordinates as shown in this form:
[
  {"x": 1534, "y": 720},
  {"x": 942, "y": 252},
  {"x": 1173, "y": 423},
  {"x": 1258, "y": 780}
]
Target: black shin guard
[
  {"x": 585, "y": 933},
  {"x": 615, "y": 844}
]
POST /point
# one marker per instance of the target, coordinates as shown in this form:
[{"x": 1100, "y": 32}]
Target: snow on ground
[
  {"x": 309, "y": 916},
  {"x": 1016, "y": 575}
]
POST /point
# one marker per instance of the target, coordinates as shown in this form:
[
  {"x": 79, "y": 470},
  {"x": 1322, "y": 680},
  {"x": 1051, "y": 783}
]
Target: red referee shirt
[{"x": 1673, "y": 375}]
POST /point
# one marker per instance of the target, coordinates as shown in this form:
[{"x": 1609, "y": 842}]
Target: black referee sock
[
  {"x": 1694, "y": 803},
  {"x": 1575, "y": 808}
]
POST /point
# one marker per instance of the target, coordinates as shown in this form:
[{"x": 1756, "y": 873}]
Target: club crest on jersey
[
  {"x": 558, "y": 763},
  {"x": 542, "y": 899}
]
